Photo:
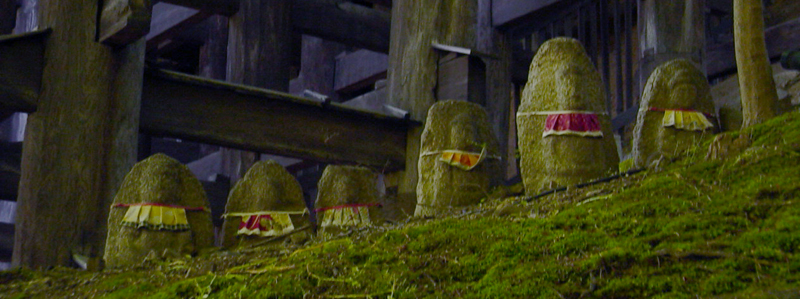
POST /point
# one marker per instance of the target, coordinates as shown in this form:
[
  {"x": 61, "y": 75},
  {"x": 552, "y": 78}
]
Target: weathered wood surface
[
  {"x": 346, "y": 23},
  {"x": 412, "y": 64},
  {"x": 243, "y": 117},
  {"x": 359, "y": 69},
  {"x": 169, "y": 20},
  {"x": 124, "y": 21},
  {"x": 8, "y": 16},
  {"x": 213, "y": 61},
  {"x": 721, "y": 58},
  {"x": 318, "y": 67},
  {"x": 81, "y": 140},
  {"x": 21, "y": 77},
  {"x": 259, "y": 54},
  {"x": 220, "y": 7},
  {"x": 461, "y": 77},
  {"x": 756, "y": 84},
  {"x": 508, "y": 11}
]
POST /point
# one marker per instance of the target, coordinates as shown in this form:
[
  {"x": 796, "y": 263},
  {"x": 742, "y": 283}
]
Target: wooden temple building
[{"x": 88, "y": 88}]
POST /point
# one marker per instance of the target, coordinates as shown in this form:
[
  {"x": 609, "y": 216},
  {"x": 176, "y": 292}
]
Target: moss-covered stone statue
[
  {"x": 563, "y": 130},
  {"x": 160, "y": 209},
  {"x": 347, "y": 197},
  {"x": 675, "y": 112},
  {"x": 267, "y": 202},
  {"x": 459, "y": 157}
]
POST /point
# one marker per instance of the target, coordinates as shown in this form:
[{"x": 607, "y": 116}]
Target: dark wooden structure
[{"x": 252, "y": 111}]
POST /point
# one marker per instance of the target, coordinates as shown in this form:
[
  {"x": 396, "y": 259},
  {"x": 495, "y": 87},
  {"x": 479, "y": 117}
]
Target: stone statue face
[
  {"x": 563, "y": 78},
  {"x": 678, "y": 84}
]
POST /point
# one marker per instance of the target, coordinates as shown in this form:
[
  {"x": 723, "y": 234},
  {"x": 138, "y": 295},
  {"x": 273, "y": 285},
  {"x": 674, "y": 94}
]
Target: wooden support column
[
  {"x": 412, "y": 64},
  {"x": 318, "y": 66},
  {"x": 80, "y": 142},
  {"x": 499, "y": 87},
  {"x": 259, "y": 54}
]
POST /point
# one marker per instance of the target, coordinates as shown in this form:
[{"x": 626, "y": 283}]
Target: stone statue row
[
  {"x": 563, "y": 129},
  {"x": 564, "y": 135},
  {"x": 161, "y": 209}
]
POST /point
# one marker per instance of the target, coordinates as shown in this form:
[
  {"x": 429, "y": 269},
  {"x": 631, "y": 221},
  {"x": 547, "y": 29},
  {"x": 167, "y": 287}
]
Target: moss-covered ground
[{"x": 697, "y": 227}]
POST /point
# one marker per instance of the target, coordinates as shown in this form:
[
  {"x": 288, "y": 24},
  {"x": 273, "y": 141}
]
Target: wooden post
[
  {"x": 670, "y": 30},
  {"x": 81, "y": 141},
  {"x": 499, "y": 88},
  {"x": 318, "y": 65},
  {"x": 759, "y": 96},
  {"x": 259, "y": 53},
  {"x": 412, "y": 64}
]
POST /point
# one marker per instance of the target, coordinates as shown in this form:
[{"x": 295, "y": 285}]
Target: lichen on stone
[
  {"x": 562, "y": 78},
  {"x": 676, "y": 84},
  {"x": 460, "y": 126},
  {"x": 352, "y": 186},
  {"x": 267, "y": 186},
  {"x": 158, "y": 179}
]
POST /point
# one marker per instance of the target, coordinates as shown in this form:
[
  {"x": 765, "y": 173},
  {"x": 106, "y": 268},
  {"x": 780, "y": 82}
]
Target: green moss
[{"x": 695, "y": 228}]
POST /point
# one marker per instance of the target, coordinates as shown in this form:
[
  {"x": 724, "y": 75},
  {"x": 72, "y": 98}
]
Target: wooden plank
[
  {"x": 346, "y": 23},
  {"x": 721, "y": 58},
  {"x": 21, "y": 77},
  {"x": 359, "y": 69},
  {"x": 220, "y": 7},
  {"x": 505, "y": 12},
  {"x": 8, "y": 16},
  {"x": 169, "y": 20},
  {"x": 124, "y": 21},
  {"x": 242, "y": 117}
]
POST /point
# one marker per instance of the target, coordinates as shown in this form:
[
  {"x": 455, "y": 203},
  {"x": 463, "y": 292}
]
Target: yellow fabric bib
[
  {"x": 686, "y": 120},
  {"x": 156, "y": 217},
  {"x": 346, "y": 216},
  {"x": 462, "y": 159}
]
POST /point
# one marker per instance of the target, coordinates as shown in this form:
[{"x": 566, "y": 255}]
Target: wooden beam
[
  {"x": 346, "y": 23},
  {"x": 124, "y": 21},
  {"x": 722, "y": 60},
  {"x": 219, "y": 7},
  {"x": 505, "y": 12},
  {"x": 242, "y": 117},
  {"x": 21, "y": 77},
  {"x": 169, "y": 20}
]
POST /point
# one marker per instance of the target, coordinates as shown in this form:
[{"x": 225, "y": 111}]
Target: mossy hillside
[{"x": 694, "y": 227}]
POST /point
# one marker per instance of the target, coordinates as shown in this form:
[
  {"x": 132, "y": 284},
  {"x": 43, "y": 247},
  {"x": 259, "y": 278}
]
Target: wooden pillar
[
  {"x": 756, "y": 84},
  {"x": 259, "y": 54},
  {"x": 318, "y": 65},
  {"x": 214, "y": 54},
  {"x": 499, "y": 88},
  {"x": 412, "y": 62},
  {"x": 81, "y": 141},
  {"x": 669, "y": 30}
]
